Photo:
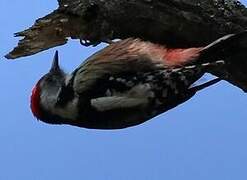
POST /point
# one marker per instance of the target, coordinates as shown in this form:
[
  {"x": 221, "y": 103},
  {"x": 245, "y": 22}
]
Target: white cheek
[
  {"x": 70, "y": 111},
  {"x": 47, "y": 101}
]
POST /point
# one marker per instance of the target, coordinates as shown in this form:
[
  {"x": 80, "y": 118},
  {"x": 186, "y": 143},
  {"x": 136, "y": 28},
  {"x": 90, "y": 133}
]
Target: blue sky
[{"x": 204, "y": 138}]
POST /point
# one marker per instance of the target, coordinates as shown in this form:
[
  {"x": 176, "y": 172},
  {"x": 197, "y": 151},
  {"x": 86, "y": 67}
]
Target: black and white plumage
[{"x": 126, "y": 83}]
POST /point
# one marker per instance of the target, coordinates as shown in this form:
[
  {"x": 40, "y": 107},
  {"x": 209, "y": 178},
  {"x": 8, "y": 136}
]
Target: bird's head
[{"x": 45, "y": 92}]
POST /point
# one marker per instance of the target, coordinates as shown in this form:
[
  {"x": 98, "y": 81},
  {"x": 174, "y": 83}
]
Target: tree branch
[{"x": 176, "y": 23}]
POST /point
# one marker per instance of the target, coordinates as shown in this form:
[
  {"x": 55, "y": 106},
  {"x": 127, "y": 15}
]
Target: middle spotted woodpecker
[{"x": 129, "y": 82}]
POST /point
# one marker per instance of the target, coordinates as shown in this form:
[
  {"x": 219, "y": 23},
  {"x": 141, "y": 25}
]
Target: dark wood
[{"x": 176, "y": 23}]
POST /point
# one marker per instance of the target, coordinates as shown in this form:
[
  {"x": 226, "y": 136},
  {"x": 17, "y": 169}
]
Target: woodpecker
[{"x": 128, "y": 82}]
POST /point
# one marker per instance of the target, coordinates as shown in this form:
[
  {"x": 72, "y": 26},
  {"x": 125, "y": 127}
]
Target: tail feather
[{"x": 232, "y": 49}]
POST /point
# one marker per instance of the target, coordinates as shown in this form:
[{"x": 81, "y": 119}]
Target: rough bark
[{"x": 177, "y": 23}]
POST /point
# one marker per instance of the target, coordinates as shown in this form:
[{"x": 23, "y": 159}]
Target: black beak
[{"x": 55, "y": 63}]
